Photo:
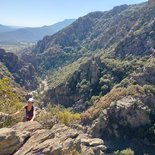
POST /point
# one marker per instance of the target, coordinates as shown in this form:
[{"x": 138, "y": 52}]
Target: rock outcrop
[
  {"x": 121, "y": 116},
  {"x": 30, "y": 139},
  {"x": 4, "y": 119},
  {"x": 11, "y": 140}
]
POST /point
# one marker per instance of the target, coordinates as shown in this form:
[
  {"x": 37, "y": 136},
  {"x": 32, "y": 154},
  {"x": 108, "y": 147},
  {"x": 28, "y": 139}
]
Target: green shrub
[
  {"x": 55, "y": 114},
  {"x": 4, "y": 72},
  {"x": 104, "y": 88},
  {"x": 152, "y": 130},
  {"x": 9, "y": 103},
  {"x": 94, "y": 99},
  {"x": 9, "y": 100},
  {"x": 46, "y": 119},
  {"x": 149, "y": 89},
  {"x": 125, "y": 152},
  {"x": 66, "y": 117}
]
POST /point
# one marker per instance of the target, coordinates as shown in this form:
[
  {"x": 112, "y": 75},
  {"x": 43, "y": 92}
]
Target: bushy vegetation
[
  {"x": 57, "y": 114},
  {"x": 63, "y": 74},
  {"x": 128, "y": 151},
  {"x": 9, "y": 102},
  {"x": 151, "y": 134},
  {"x": 4, "y": 72},
  {"x": 123, "y": 68},
  {"x": 149, "y": 89},
  {"x": 66, "y": 117}
]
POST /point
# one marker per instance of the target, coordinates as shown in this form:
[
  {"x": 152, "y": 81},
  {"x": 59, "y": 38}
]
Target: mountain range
[
  {"x": 102, "y": 66},
  {"x": 10, "y": 34},
  {"x": 4, "y": 28}
]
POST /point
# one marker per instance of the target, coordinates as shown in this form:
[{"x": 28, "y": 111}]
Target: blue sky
[{"x": 47, "y": 12}]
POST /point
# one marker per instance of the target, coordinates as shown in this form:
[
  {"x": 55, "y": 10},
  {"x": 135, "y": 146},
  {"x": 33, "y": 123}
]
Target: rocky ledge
[{"x": 31, "y": 138}]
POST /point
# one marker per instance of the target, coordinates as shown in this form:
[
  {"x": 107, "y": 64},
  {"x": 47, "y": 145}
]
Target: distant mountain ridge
[
  {"x": 30, "y": 34},
  {"x": 4, "y": 28}
]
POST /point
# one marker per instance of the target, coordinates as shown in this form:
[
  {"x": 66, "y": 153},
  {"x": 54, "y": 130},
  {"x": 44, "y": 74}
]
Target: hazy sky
[{"x": 47, "y": 12}]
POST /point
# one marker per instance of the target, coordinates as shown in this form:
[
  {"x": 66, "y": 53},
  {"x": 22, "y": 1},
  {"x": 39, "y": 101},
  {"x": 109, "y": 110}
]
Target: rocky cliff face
[
  {"x": 23, "y": 73},
  {"x": 30, "y": 139}
]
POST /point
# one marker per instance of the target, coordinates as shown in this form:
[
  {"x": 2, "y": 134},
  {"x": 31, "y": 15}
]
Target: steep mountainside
[
  {"x": 23, "y": 73},
  {"x": 140, "y": 41},
  {"x": 32, "y": 34},
  {"x": 102, "y": 65},
  {"x": 81, "y": 83},
  {"x": 117, "y": 83},
  {"x": 92, "y": 33},
  {"x": 120, "y": 36}
]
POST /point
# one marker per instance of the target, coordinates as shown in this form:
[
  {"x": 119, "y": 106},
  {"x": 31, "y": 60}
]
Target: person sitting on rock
[{"x": 29, "y": 111}]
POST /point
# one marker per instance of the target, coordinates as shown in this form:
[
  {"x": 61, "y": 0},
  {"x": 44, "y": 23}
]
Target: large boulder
[
  {"x": 11, "y": 140},
  {"x": 91, "y": 146},
  {"x": 4, "y": 118},
  {"x": 35, "y": 143},
  {"x": 27, "y": 126}
]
